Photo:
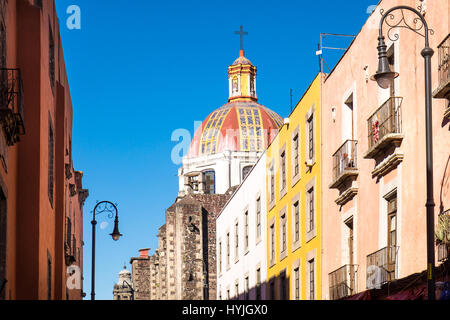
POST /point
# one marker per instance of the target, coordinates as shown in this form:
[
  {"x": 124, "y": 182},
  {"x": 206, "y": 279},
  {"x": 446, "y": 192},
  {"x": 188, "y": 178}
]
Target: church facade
[{"x": 223, "y": 151}]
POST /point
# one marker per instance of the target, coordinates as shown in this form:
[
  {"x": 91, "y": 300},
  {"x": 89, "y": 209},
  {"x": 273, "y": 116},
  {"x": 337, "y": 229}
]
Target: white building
[{"x": 241, "y": 240}]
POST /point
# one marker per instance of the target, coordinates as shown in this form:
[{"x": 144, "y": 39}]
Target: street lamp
[
  {"x": 110, "y": 208},
  {"x": 384, "y": 77}
]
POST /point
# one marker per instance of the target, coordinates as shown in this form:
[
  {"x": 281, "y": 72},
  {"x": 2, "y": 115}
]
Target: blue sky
[{"x": 139, "y": 70}]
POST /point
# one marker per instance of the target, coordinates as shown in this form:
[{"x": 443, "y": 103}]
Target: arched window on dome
[
  {"x": 235, "y": 85},
  {"x": 245, "y": 171},
  {"x": 209, "y": 177},
  {"x": 252, "y": 85}
]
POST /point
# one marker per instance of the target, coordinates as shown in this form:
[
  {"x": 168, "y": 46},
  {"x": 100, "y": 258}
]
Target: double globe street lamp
[
  {"x": 111, "y": 209},
  {"x": 384, "y": 77}
]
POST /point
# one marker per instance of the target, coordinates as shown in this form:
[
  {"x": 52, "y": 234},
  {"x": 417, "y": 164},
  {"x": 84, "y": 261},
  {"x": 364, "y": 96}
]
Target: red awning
[
  {"x": 417, "y": 293},
  {"x": 360, "y": 296}
]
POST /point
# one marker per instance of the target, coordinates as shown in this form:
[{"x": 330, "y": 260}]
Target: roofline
[{"x": 351, "y": 43}]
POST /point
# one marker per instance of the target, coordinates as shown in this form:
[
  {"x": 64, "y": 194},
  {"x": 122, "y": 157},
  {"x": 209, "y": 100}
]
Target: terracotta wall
[{"x": 37, "y": 255}]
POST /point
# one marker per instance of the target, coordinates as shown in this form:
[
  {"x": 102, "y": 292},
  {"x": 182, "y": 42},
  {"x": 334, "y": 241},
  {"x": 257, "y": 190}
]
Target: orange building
[{"x": 41, "y": 195}]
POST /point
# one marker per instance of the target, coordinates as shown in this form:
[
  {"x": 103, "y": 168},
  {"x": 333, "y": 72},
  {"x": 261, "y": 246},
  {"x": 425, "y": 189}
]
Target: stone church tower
[
  {"x": 123, "y": 290},
  {"x": 223, "y": 151}
]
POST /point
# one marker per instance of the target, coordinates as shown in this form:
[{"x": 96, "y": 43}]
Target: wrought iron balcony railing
[
  {"x": 345, "y": 162},
  {"x": 442, "y": 231},
  {"x": 343, "y": 282},
  {"x": 381, "y": 267},
  {"x": 11, "y": 104},
  {"x": 385, "y": 126},
  {"x": 443, "y": 91}
]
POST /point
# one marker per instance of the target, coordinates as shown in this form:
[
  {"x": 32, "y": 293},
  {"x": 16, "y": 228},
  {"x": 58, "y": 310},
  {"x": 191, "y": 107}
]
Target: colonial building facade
[
  {"x": 294, "y": 203},
  {"x": 41, "y": 195},
  {"x": 222, "y": 153},
  {"x": 241, "y": 240},
  {"x": 374, "y": 169}
]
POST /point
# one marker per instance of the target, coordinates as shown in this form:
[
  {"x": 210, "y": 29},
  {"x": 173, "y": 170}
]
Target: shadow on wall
[{"x": 276, "y": 288}]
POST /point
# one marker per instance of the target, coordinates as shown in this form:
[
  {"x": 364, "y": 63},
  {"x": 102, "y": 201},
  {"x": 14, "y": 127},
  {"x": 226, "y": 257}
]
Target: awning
[{"x": 417, "y": 293}]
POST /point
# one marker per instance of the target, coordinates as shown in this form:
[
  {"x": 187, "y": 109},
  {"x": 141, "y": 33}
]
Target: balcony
[
  {"x": 342, "y": 282},
  {"x": 385, "y": 127},
  {"x": 345, "y": 164},
  {"x": 11, "y": 105},
  {"x": 443, "y": 236},
  {"x": 381, "y": 267},
  {"x": 443, "y": 91}
]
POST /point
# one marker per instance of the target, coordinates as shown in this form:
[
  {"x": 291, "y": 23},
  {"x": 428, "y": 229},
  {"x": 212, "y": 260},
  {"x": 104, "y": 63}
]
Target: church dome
[
  {"x": 242, "y": 60},
  {"x": 236, "y": 126}
]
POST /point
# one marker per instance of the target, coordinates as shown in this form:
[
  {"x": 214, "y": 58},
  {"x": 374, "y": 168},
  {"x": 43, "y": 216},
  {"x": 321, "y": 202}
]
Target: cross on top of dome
[{"x": 241, "y": 34}]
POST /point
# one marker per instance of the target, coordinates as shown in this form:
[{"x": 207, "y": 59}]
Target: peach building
[
  {"x": 374, "y": 181},
  {"x": 41, "y": 195}
]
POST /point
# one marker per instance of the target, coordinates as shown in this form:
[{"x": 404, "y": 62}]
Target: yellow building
[{"x": 294, "y": 204}]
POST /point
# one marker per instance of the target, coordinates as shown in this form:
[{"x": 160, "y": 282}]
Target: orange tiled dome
[{"x": 236, "y": 126}]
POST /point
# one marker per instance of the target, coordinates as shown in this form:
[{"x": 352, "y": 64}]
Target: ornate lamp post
[
  {"x": 384, "y": 77},
  {"x": 110, "y": 208}
]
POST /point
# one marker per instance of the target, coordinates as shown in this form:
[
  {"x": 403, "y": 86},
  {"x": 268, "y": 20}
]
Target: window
[
  {"x": 272, "y": 243},
  {"x": 220, "y": 294},
  {"x": 210, "y": 184},
  {"x": 228, "y": 294},
  {"x": 246, "y": 231},
  {"x": 247, "y": 288},
  {"x": 51, "y": 152},
  {"x": 297, "y": 283},
  {"x": 391, "y": 59},
  {"x": 296, "y": 222},
  {"x": 283, "y": 170},
  {"x": 68, "y": 231},
  {"x": 258, "y": 284},
  {"x": 51, "y": 57},
  {"x": 236, "y": 289},
  {"x": 296, "y": 155},
  {"x": 236, "y": 241},
  {"x": 235, "y": 84},
  {"x": 258, "y": 218},
  {"x": 272, "y": 184},
  {"x": 392, "y": 229},
  {"x": 283, "y": 295},
  {"x": 3, "y": 222},
  {"x": 283, "y": 233},
  {"x": 220, "y": 257},
  {"x": 272, "y": 289},
  {"x": 228, "y": 250},
  {"x": 252, "y": 85},
  {"x": 310, "y": 126},
  {"x": 49, "y": 276},
  {"x": 2, "y": 45},
  {"x": 246, "y": 171},
  {"x": 311, "y": 279},
  {"x": 310, "y": 197}
]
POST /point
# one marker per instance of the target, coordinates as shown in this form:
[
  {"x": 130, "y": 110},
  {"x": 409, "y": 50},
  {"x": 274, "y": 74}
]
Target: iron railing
[
  {"x": 345, "y": 158},
  {"x": 381, "y": 266},
  {"x": 386, "y": 120},
  {"x": 12, "y": 112},
  {"x": 443, "y": 248},
  {"x": 342, "y": 282},
  {"x": 444, "y": 61}
]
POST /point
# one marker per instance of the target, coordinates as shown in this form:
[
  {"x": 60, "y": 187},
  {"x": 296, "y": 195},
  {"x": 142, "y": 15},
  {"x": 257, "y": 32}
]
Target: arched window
[
  {"x": 245, "y": 171},
  {"x": 210, "y": 181}
]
